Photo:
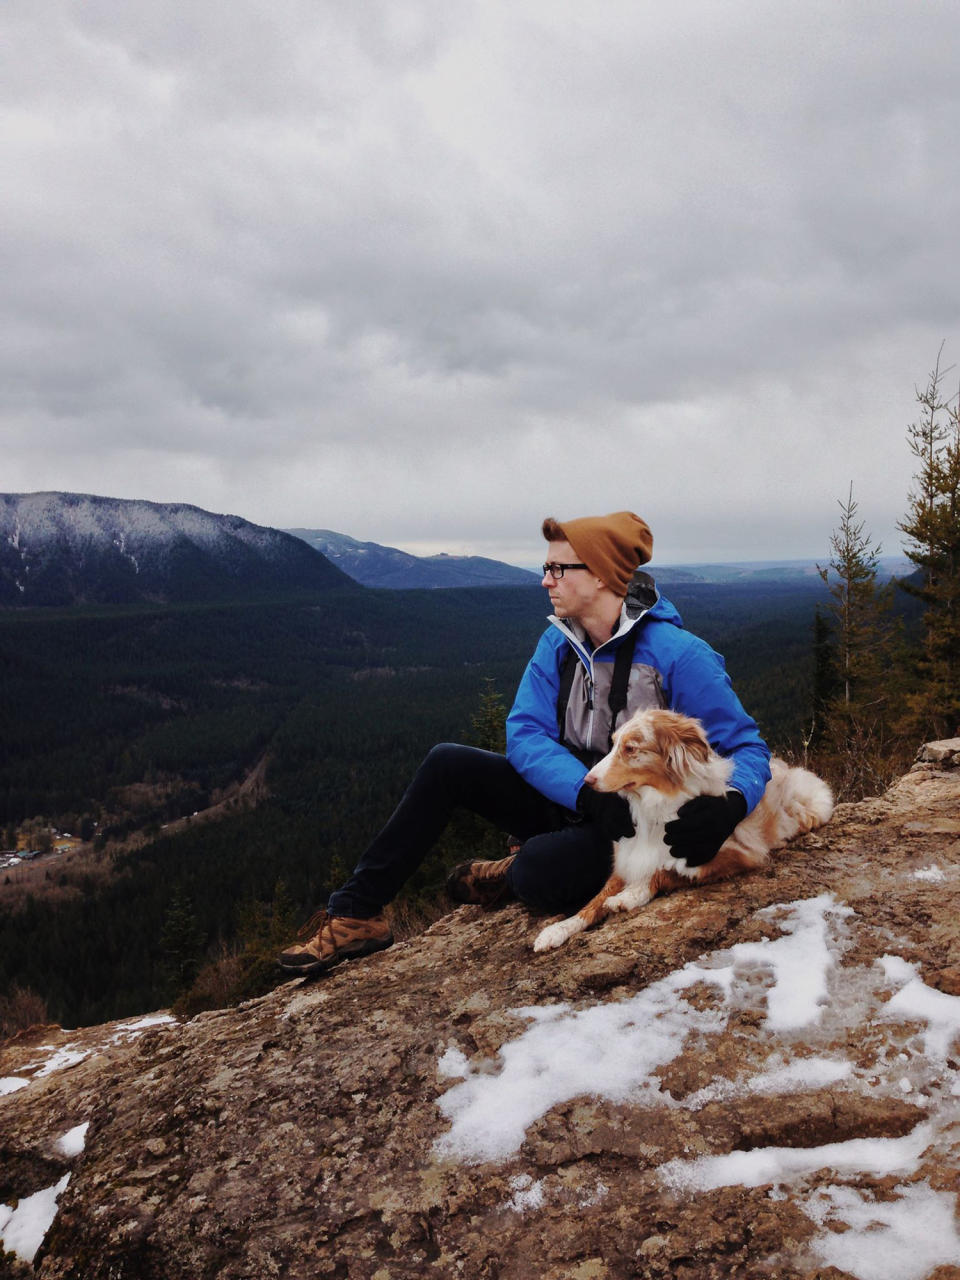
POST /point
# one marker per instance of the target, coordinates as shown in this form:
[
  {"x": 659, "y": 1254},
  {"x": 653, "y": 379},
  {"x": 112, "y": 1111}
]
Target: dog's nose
[{"x": 590, "y": 780}]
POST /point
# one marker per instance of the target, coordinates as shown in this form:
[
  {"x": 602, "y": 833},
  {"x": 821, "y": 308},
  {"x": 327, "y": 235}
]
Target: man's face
[{"x": 574, "y": 593}]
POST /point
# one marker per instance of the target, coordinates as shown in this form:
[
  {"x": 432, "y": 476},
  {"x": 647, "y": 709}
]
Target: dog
[{"x": 659, "y": 760}]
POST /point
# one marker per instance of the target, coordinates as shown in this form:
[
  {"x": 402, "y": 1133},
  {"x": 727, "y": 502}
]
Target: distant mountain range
[
  {"x": 376, "y": 566},
  {"x": 70, "y": 548},
  {"x": 756, "y": 572}
]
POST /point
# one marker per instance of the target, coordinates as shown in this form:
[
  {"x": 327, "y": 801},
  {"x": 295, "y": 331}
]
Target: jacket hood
[{"x": 644, "y": 598}]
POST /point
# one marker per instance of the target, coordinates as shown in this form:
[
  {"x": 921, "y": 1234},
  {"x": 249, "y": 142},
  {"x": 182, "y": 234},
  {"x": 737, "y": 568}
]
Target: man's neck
[{"x": 602, "y": 620}]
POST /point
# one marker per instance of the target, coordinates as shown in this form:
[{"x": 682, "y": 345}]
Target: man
[{"x": 614, "y": 646}]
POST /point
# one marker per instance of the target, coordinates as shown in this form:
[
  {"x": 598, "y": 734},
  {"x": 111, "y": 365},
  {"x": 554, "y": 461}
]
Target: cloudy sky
[{"x": 425, "y": 272}]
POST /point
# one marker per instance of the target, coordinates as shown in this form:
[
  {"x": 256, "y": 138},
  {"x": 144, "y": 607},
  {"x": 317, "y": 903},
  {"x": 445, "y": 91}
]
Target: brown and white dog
[{"x": 659, "y": 761}]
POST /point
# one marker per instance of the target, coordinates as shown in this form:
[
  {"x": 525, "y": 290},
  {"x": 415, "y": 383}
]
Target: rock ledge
[{"x": 325, "y": 1130}]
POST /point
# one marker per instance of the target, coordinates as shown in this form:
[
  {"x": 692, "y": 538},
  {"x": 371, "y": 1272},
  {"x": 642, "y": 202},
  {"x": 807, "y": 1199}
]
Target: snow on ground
[
  {"x": 809, "y": 998},
  {"x": 59, "y": 1057},
  {"x": 613, "y": 1050},
  {"x": 779, "y": 1078},
  {"x": 901, "y": 1239},
  {"x": 126, "y": 1029},
  {"x": 74, "y": 1140},
  {"x": 59, "y": 1060},
  {"x": 931, "y": 873},
  {"x": 527, "y": 1194},
  {"x": 916, "y": 1002},
  {"x": 22, "y": 1229},
  {"x": 760, "y": 1165}
]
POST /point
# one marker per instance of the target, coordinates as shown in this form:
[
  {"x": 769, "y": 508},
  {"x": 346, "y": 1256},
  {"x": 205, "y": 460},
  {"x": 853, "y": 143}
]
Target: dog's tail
[
  {"x": 795, "y": 801},
  {"x": 806, "y": 799}
]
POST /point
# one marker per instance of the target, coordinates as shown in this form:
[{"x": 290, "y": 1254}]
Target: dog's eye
[{"x": 630, "y": 749}]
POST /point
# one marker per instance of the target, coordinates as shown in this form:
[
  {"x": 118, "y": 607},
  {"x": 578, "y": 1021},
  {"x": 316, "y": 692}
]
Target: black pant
[{"x": 562, "y": 861}]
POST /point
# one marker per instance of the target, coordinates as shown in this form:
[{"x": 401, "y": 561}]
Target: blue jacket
[{"x": 671, "y": 668}]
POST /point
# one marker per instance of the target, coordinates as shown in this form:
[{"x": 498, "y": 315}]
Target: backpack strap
[
  {"x": 620, "y": 683},
  {"x": 568, "y": 669}
]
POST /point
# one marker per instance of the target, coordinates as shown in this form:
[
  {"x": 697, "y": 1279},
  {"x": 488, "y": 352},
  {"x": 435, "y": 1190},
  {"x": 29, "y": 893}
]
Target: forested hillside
[
  {"x": 81, "y": 549},
  {"x": 137, "y": 718}
]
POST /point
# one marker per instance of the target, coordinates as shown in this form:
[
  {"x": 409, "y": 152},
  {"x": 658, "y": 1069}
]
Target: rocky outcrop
[{"x": 758, "y": 1078}]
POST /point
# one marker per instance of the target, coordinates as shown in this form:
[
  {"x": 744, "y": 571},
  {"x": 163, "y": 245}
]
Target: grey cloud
[{"x": 320, "y": 241}]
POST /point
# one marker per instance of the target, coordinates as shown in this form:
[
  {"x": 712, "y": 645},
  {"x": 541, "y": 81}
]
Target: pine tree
[
  {"x": 181, "y": 944},
  {"x": 857, "y": 606},
  {"x": 932, "y": 528},
  {"x": 488, "y": 723},
  {"x": 855, "y": 691},
  {"x": 824, "y": 679}
]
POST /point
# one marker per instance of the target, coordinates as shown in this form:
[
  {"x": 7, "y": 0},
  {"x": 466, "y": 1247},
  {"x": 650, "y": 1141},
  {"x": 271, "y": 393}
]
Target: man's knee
[
  {"x": 463, "y": 767},
  {"x": 449, "y": 761},
  {"x": 441, "y": 756},
  {"x": 550, "y": 877}
]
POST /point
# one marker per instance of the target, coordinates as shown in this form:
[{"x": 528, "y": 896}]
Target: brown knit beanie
[{"x": 611, "y": 547}]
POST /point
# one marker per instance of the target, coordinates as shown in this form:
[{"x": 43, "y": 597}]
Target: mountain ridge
[
  {"x": 59, "y": 548},
  {"x": 375, "y": 565}
]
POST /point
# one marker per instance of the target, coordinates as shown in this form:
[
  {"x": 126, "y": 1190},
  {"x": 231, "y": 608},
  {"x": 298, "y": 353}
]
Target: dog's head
[{"x": 657, "y": 749}]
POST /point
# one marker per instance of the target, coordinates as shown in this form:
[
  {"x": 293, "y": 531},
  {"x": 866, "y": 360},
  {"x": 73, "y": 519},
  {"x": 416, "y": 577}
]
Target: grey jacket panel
[{"x": 587, "y": 725}]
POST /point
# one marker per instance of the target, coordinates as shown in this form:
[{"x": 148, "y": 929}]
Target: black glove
[
  {"x": 702, "y": 825},
  {"x": 608, "y": 811}
]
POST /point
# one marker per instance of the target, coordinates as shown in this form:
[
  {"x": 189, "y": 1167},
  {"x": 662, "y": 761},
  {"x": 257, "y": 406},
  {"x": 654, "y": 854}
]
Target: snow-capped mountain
[
  {"x": 374, "y": 565},
  {"x": 70, "y": 548}
]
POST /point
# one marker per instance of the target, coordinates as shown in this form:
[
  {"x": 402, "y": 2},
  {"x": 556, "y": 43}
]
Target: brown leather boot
[
  {"x": 327, "y": 940},
  {"x": 481, "y": 882}
]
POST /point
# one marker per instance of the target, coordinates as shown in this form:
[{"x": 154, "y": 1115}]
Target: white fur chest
[{"x": 637, "y": 857}]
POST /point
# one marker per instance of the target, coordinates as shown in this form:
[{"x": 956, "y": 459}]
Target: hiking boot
[
  {"x": 481, "y": 882},
  {"x": 325, "y": 940}
]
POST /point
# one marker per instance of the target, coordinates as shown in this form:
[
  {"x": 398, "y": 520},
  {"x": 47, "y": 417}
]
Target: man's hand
[
  {"x": 702, "y": 825},
  {"x": 608, "y": 811}
]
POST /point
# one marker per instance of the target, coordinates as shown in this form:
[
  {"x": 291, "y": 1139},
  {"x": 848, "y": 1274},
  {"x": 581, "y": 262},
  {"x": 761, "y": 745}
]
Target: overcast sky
[{"x": 424, "y": 271}]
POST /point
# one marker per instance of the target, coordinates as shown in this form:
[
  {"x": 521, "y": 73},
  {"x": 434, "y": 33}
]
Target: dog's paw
[
  {"x": 555, "y": 935},
  {"x": 629, "y": 899}
]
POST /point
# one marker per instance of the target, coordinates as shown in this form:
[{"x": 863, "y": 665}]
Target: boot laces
[
  {"x": 314, "y": 925},
  {"x": 491, "y": 870}
]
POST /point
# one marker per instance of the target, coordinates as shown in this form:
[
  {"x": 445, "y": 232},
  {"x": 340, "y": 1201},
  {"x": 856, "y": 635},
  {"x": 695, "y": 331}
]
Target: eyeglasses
[{"x": 557, "y": 571}]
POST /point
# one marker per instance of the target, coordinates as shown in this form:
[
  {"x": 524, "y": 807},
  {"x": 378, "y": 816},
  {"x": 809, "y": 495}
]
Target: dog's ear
[{"x": 680, "y": 742}]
